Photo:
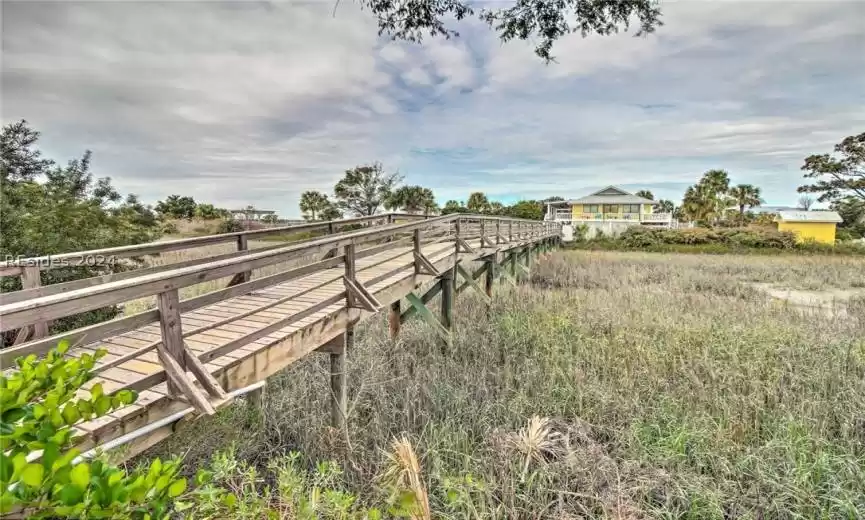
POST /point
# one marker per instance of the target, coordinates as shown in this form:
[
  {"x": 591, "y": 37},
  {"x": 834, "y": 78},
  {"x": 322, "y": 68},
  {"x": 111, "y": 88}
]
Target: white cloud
[{"x": 254, "y": 103}]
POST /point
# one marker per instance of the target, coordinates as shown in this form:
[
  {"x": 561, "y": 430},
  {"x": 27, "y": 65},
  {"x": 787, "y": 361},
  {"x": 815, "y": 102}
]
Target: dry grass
[{"x": 614, "y": 385}]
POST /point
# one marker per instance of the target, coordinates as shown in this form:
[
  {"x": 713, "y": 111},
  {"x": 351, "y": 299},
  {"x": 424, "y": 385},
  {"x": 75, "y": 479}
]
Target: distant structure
[
  {"x": 250, "y": 213},
  {"x": 810, "y": 225},
  {"x": 610, "y": 210}
]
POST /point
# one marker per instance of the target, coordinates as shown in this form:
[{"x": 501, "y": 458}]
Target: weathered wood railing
[
  {"x": 467, "y": 232},
  {"x": 28, "y": 269}
]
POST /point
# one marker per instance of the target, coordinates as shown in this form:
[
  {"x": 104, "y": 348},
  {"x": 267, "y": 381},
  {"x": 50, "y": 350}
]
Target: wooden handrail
[
  {"x": 81, "y": 257},
  {"x": 21, "y": 313}
]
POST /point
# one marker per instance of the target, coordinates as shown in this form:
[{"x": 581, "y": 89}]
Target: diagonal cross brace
[
  {"x": 175, "y": 373},
  {"x": 428, "y": 316},
  {"x": 422, "y": 265},
  {"x": 473, "y": 283},
  {"x": 363, "y": 299},
  {"x": 464, "y": 247}
]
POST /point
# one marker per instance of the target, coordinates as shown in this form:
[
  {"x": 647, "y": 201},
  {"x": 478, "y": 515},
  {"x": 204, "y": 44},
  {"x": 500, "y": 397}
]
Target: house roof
[
  {"x": 809, "y": 216},
  {"x": 611, "y": 195}
]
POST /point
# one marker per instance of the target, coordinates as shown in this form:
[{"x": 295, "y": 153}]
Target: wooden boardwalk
[{"x": 191, "y": 354}]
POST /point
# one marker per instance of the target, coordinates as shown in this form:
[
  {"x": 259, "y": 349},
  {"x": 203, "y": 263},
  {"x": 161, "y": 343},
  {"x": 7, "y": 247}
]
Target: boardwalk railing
[
  {"x": 40, "y": 305},
  {"x": 28, "y": 269}
]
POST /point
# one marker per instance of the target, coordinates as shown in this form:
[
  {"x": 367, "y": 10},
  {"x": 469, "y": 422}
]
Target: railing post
[
  {"x": 243, "y": 245},
  {"x": 498, "y": 230},
  {"x": 482, "y": 226},
  {"x": 457, "y": 239},
  {"x": 349, "y": 273},
  {"x": 417, "y": 250},
  {"x": 168, "y": 303},
  {"x": 510, "y": 230},
  {"x": 31, "y": 279}
]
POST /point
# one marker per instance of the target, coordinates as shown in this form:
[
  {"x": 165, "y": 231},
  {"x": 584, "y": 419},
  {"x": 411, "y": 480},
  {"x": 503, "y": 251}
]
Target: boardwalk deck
[{"x": 243, "y": 338}]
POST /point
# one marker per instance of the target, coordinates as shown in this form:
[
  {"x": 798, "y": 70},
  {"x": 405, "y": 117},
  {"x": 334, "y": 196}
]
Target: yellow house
[
  {"x": 611, "y": 204},
  {"x": 810, "y": 225}
]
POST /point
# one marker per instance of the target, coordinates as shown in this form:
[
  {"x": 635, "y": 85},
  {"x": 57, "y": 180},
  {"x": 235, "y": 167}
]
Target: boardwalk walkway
[{"x": 191, "y": 354}]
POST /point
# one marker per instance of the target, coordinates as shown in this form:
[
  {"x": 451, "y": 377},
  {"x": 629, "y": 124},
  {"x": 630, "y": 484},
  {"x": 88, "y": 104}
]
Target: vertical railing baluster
[
  {"x": 168, "y": 303},
  {"x": 349, "y": 272}
]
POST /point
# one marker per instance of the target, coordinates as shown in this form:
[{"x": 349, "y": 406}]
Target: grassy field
[{"x": 613, "y": 385}]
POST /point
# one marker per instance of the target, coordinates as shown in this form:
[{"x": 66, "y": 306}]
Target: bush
[
  {"x": 229, "y": 226},
  {"x": 644, "y": 237}
]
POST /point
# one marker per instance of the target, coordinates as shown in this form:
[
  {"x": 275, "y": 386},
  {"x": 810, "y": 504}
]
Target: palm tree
[
  {"x": 699, "y": 203},
  {"x": 313, "y": 203},
  {"x": 478, "y": 203},
  {"x": 646, "y": 194},
  {"x": 666, "y": 206},
  {"x": 412, "y": 199},
  {"x": 745, "y": 195}
]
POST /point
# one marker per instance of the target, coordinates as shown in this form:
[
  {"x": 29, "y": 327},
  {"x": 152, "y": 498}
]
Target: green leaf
[
  {"x": 7, "y": 500},
  {"x": 102, "y": 405},
  {"x": 6, "y": 470},
  {"x": 126, "y": 396},
  {"x": 177, "y": 488},
  {"x": 12, "y": 415},
  {"x": 65, "y": 459},
  {"x": 39, "y": 411},
  {"x": 114, "y": 478},
  {"x": 63, "y": 346},
  {"x": 32, "y": 475},
  {"x": 50, "y": 453},
  {"x": 85, "y": 408},
  {"x": 229, "y": 500},
  {"x": 70, "y": 414},
  {"x": 96, "y": 391},
  {"x": 70, "y": 495},
  {"x": 80, "y": 476}
]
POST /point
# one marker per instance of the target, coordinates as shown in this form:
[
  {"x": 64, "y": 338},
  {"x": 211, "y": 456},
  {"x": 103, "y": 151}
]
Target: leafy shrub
[
  {"x": 169, "y": 228},
  {"x": 40, "y": 406},
  {"x": 644, "y": 237},
  {"x": 229, "y": 226}
]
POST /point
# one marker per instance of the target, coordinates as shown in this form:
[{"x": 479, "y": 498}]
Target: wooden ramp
[{"x": 192, "y": 356}]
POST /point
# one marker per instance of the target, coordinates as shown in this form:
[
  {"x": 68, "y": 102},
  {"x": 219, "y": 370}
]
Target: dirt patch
[{"x": 831, "y": 301}]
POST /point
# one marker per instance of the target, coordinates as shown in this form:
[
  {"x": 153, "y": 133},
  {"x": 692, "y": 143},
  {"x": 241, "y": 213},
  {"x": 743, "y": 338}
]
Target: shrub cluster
[{"x": 641, "y": 237}]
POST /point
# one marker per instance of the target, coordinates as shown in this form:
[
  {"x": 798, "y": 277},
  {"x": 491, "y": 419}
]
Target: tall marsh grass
[{"x": 620, "y": 386}]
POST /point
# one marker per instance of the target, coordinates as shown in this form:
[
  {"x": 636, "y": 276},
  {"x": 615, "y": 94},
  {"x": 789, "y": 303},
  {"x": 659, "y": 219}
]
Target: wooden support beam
[
  {"x": 339, "y": 381},
  {"x": 428, "y": 316},
  {"x": 465, "y": 285},
  {"x": 349, "y": 273},
  {"x": 393, "y": 319},
  {"x": 210, "y": 384},
  {"x": 489, "y": 278},
  {"x": 464, "y": 247},
  {"x": 360, "y": 297},
  {"x": 422, "y": 265},
  {"x": 30, "y": 279},
  {"x": 447, "y": 301},
  {"x": 470, "y": 279},
  {"x": 168, "y": 304},
  {"x": 255, "y": 398},
  {"x": 177, "y": 378},
  {"x": 425, "y": 298},
  {"x": 242, "y": 245}
]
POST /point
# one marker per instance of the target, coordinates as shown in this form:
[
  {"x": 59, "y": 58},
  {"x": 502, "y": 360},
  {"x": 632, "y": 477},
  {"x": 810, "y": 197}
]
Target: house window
[
  {"x": 591, "y": 208},
  {"x": 631, "y": 208},
  {"x": 611, "y": 208}
]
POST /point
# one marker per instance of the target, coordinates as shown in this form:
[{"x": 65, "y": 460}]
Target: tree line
[
  {"x": 838, "y": 180},
  {"x": 367, "y": 189}
]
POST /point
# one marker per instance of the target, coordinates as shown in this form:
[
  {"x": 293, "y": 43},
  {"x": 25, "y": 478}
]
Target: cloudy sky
[{"x": 251, "y": 103}]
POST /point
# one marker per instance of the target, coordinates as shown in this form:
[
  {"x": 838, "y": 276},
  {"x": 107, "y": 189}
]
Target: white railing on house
[{"x": 657, "y": 217}]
